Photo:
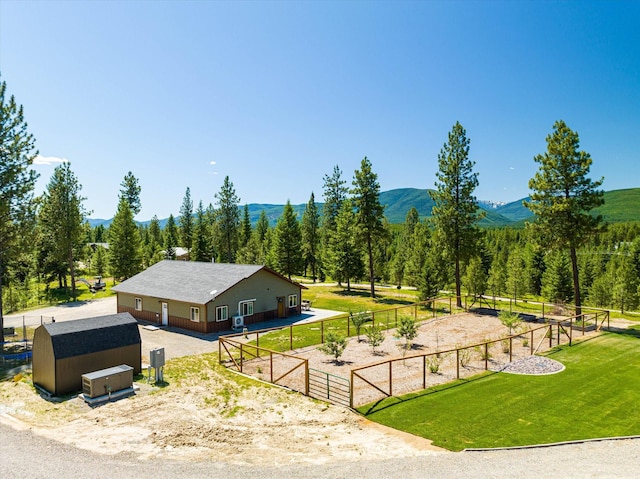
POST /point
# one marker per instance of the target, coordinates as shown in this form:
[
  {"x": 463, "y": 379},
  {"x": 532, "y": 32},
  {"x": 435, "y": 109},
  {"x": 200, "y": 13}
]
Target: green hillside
[{"x": 620, "y": 206}]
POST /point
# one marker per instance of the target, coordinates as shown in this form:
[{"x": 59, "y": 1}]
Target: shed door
[{"x": 165, "y": 314}]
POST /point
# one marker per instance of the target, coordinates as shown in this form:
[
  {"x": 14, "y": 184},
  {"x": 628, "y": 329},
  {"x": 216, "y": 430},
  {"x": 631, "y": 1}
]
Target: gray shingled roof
[
  {"x": 84, "y": 336},
  {"x": 188, "y": 281}
]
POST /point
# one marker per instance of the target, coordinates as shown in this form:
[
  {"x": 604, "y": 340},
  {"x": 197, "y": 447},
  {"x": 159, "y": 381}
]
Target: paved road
[
  {"x": 64, "y": 312},
  {"x": 24, "y": 454}
]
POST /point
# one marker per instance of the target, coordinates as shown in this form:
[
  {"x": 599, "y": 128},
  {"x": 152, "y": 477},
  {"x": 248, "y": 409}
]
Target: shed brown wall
[
  {"x": 69, "y": 371},
  {"x": 43, "y": 361}
]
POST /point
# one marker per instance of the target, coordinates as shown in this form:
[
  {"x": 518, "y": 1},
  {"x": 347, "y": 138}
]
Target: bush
[
  {"x": 334, "y": 345},
  {"x": 375, "y": 337}
]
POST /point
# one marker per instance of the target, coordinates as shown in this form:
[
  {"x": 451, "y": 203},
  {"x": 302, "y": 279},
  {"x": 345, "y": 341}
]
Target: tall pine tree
[
  {"x": 369, "y": 213},
  {"x": 563, "y": 196},
  {"x": 125, "y": 244},
  {"x": 455, "y": 211},
  {"x": 17, "y": 182}
]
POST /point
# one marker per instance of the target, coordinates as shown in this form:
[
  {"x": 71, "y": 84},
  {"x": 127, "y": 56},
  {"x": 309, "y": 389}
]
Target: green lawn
[{"x": 597, "y": 395}]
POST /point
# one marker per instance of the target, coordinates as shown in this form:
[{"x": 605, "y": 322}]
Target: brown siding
[
  {"x": 186, "y": 323},
  {"x": 43, "y": 361},
  {"x": 149, "y": 316},
  {"x": 69, "y": 371}
]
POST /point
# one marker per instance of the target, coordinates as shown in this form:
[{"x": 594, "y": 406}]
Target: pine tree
[
  {"x": 130, "y": 192},
  {"x": 334, "y": 192},
  {"x": 556, "y": 280},
  {"x": 403, "y": 243},
  {"x": 245, "y": 229},
  {"x": 455, "y": 211},
  {"x": 62, "y": 217},
  {"x": 17, "y": 183},
  {"x": 563, "y": 197},
  {"x": 344, "y": 250},
  {"x": 311, "y": 237},
  {"x": 170, "y": 238},
  {"x": 186, "y": 220},
  {"x": 287, "y": 244},
  {"x": 369, "y": 213},
  {"x": 228, "y": 221},
  {"x": 125, "y": 244},
  {"x": 199, "y": 249}
]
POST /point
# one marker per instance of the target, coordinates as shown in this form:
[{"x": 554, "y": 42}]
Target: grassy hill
[{"x": 620, "y": 206}]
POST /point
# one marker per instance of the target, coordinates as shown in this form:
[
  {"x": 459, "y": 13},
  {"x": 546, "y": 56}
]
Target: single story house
[
  {"x": 208, "y": 297},
  {"x": 64, "y": 351}
]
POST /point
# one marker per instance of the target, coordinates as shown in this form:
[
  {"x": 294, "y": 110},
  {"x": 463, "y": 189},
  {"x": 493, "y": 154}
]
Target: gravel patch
[{"x": 533, "y": 365}]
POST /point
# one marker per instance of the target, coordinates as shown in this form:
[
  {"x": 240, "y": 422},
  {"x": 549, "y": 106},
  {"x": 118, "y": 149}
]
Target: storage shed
[{"x": 64, "y": 351}]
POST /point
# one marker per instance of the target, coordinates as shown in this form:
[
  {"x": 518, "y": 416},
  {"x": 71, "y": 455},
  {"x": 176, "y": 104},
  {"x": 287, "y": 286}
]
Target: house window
[
  {"x": 246, "y": 308},
  {"x": 293, "y": 300},
  {"x": 195, "y": 314},
  {"x": 222, "y": 313},
  {"x": 138, "y": 304}
]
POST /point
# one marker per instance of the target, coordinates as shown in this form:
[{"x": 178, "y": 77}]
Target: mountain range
[{"x": 619, "y": 206}]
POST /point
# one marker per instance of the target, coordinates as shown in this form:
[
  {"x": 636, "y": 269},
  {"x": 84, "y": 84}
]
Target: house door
[
  {"x": 165, "y": 314},
  {"x": 281, "y": 308}
]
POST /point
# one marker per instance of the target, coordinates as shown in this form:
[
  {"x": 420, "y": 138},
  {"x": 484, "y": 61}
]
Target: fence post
[
  {"x": 258, "y": 343},
  {"x": 351, "y": 391},
  {"x": 510, "y": 348},
  {"x": 543, "y": 311},
  {"x": 531, "y": 344},
  {"x": 349, "y": 324},
  {"x": 220, "y": 351},
  {"x": 486, "y": 356},
  {"x": 450, "y": 306},
  {"x": 457, "y": 364},
  {"x": 306, "y": 375},
  {"x": 424, "y": 372},
  {"x": 241, "y": 356},
  {"x": 390, "y": 378}
]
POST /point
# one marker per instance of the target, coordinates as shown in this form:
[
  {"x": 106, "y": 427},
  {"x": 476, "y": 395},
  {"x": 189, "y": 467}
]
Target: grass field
[{"x": 597, "y": 395}]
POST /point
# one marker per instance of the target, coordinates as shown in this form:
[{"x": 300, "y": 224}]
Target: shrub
[
  {"x": 334, "y": 345},
  {"x": 510, "y": 320},
  {"x": 375, "y": 337},
  {"x": 433, "y": 363}
]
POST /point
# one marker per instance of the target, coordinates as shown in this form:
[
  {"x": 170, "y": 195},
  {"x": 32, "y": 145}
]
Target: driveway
[{"x": 177, "y": 342}]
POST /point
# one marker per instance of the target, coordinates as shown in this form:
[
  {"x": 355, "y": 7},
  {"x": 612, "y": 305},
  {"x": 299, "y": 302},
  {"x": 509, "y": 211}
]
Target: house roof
[
  {"x": 190, "y": 281},
  {"x": 84, "y": 336}
]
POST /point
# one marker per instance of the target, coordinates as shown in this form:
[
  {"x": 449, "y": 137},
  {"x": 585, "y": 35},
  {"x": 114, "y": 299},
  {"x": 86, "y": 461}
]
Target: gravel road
[{"x": 23, "y": 454}]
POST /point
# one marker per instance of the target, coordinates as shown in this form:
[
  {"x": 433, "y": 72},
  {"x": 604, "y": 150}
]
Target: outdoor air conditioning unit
[
  {"x": 238, "y": 322},
  {"x": 107, "y": 381}
]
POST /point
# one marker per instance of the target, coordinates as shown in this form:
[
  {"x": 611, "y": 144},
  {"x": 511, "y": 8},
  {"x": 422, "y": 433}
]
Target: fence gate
[{"x": 329, "y": 387}]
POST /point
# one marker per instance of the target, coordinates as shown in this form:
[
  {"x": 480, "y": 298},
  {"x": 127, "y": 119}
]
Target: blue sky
[{"x": 275, "y": 94}]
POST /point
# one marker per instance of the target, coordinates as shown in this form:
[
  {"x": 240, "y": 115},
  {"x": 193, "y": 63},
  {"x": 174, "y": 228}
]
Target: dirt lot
[{"x": 205, "y": 413}]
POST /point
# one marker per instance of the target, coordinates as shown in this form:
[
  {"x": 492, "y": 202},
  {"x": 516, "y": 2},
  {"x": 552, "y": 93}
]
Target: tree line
[{"x": 565, "y": 255}]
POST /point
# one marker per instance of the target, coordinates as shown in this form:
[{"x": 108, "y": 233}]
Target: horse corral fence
[{"x": 398, "y": 375}]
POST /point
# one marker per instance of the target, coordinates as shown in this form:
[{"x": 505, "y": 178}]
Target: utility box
[
  {"x": 107, "y": 381},
  {"x": 156, "y": 358}
]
